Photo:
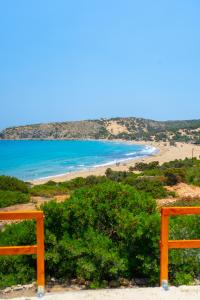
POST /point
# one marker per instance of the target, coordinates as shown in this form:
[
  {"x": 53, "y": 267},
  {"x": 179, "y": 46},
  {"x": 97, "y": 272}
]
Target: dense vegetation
[
  {"x": 108, "y": 229},
  {"x": 187, "y": 170}
]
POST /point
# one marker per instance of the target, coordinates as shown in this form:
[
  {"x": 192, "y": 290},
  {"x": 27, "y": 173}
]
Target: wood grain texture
[
  {"x": 16, "y": 250},
  {"x": 174, "y": 211},
  {"x": 21, "y": 215},
  {"x": 164, "y": 248},
  {"x": 176, "y": 244}
]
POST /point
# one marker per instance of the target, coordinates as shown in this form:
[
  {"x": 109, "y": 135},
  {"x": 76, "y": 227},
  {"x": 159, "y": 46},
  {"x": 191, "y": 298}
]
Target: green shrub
[
  {"x": 184, "y": 263},
  {"x": 140, "y": 166},
  {"x": 117, "y": 176},
  {"x": 8, "y": 183},
  {"x": 104, "y": 232},
  {"x": 175, "y": 176},
  {"x": 80, "y": 182},
  {"x": 8, "y": 198},
  {"x": 193, "y": 176},
  {"x": 17, "y": 269},
  {"x": 48, "y": 189},
  {"x": 150, "y": 185},
  {"x": 180, "y": 163}
]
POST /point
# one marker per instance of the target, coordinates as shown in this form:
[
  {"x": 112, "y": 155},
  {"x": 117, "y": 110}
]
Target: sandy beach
[{"x": 166, "y": 153}]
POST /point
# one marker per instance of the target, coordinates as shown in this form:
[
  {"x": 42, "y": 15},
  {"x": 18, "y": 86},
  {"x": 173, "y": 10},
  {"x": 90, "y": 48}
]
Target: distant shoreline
[{"x": 165, "y": 153}]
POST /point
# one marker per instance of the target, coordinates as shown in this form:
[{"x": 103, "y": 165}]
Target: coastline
[{"x": 165, "y": 153}]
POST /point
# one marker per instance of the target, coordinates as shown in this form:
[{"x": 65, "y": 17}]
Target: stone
[
  {"x": 18, "y": 287},
  {"x": 141, "y": 281},
  {"x": 7, "y": 290},
  {"x": 114, "y": 283},
  {"x": 80, "y": 281},
  {"x": 124, "y": 282},
  {"x": 29, "y": 286}
]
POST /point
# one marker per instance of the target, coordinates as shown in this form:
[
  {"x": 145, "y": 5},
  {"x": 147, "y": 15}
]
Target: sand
[
  {"x": 166, "y": 153},
  {"x": 181, "y": 293}
]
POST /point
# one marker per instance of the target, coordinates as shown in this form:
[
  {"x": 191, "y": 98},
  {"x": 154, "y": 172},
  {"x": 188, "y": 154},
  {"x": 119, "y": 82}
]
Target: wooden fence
[
  {"x": 166, "y": 244},
  {"x": 37, "y": 249}
]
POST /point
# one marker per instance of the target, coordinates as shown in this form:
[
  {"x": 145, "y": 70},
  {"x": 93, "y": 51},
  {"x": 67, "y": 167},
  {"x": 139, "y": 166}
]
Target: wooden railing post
[
  {"x": 40, "y": 255},
  {"x": 164, "y": 250}
]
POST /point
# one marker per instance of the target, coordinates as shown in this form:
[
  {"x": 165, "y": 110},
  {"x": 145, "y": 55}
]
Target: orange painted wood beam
[
  {"x": 164, "y": 249},
  {"x": 21, "y": 215},
  {"x": 173, "y": 211},
  {"x": 176, "y": 244},
  {"x": 16, "y": 250},
  {"x": 40, "y": 252}
]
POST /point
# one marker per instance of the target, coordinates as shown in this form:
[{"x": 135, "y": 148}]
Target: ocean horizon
[{"x": 33, "y": 159}]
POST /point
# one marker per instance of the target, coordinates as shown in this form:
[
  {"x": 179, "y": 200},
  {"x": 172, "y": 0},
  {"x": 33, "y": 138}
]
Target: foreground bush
[
  {"x": 100, "y": 234},
  {"x": 17, "y": 269}
]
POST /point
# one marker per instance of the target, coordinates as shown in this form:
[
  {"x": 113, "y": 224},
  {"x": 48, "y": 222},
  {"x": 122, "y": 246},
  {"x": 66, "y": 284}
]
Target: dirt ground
[
  {"x": 183, "y": 191},
  {"x": 180, "y": 293}
]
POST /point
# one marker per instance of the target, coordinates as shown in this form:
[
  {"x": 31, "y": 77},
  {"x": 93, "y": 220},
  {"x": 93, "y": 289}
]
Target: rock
[
  {"x": 18, "y": 287},
  {"x": 29, "y": 286},
  {"x": 141, "y": 281},
  {"x": 80, "y": 281},
  {"x": 74, "y": 281},
  {"x": 114, "y": 283},
  {"x": 124, "y": 282},
  {"x": 132, "y": 282},
  {"x": 75, "y": 287},
  {"x": 7, "y": 290}
]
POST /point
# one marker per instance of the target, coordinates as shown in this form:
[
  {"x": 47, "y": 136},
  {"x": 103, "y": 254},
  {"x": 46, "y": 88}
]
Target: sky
[{"x": 85, "y": 59}]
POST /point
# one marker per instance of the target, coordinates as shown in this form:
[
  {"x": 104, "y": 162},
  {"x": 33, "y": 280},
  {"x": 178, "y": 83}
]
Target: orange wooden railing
[
  {"x": 166, "y": 244},
  {"x": 35, "y": 249}
]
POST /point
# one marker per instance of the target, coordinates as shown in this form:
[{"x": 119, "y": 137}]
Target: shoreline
[{"x": 165, "y": 153}]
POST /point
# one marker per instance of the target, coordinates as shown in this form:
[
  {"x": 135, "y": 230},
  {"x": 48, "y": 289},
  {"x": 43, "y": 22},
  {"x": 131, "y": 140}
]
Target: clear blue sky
[{"x": 69, "y": 60}]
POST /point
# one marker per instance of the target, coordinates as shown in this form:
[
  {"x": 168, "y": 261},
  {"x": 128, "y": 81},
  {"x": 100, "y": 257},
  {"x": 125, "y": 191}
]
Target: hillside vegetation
[
  {"x": 108, "y": 230},
  {"x": 120, "y": 128}
]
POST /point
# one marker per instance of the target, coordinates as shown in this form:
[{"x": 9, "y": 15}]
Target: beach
[{"x": 165, "y": 153}]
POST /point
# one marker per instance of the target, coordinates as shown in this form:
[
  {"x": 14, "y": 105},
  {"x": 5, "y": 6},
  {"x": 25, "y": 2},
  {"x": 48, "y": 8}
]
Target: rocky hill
[{"x": 123, "y": 128}]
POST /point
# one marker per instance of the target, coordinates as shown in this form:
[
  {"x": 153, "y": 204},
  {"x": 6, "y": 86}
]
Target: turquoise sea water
[{"x": 38, "y": 159}]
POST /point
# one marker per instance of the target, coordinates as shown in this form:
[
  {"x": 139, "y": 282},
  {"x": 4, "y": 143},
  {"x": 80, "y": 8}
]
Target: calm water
[{"x": 37, "y": 159}]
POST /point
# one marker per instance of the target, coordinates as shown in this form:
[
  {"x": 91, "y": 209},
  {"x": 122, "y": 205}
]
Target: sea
[{"x": 30, "y": 160}]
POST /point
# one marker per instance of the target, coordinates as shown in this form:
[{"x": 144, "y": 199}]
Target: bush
[
  {"x": 140, "y": 166},
  {"x": 150, "y": 185},
  {"x": 8, "y": 183},
  {"x": 48, "y": 189},
  {"x": 80, "y": 182},
  {"x": 184, "y": 263},
  {"x": 8, "y": 198},
  {"x": 17, "y": 269},
  {"x": 103, "y": 233},
  {"x": 175, "y": 176},
  {"x": 193, "y": 176},
  {"x": 117, "y": 176}
]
